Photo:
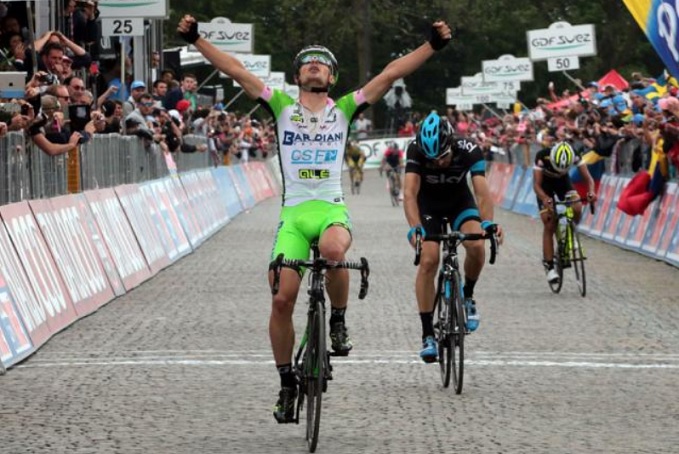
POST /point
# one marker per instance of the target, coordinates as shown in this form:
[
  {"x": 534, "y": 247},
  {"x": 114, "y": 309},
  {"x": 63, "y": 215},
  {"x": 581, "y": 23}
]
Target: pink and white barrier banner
[
  {"x": 165, "y": 218},
  {"x": 74, "y": 253},
  {"x": 14, "y": 341},
  {"x": 118, "y": 237},
  {"x": 181, "y": 205},
  {"x": 205, "y": 202},
  {"x": 134, "y": 205},
  {"x": 51, "y": 306}
]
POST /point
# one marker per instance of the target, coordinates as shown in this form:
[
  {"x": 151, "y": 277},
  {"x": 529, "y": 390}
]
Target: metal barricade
[
  {"x": 198, "y": 159},
  {"x": 15, "y": 181},
  {"x": 111, "y": 159}
]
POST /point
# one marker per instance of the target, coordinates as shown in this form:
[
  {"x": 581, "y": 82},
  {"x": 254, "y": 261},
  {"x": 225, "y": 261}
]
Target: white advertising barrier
[
  {"x": 507, "y": 68},
  {"x": 54, "y": 305},
  {"x": 166, "y": 218},
  {"x": 181, "y": 205},
  {"x": 15, "y": 344},
  {"x": 561, "y": 39},
  {"x": 144, "y": 9},
  {"x": 259, "y": 65},
  {"x": 228, "y": 36},
  {"x": 203, "y": 196},
  {"x": 118, "y": 237},
  {"x": 32, "y": 313},
  {"x": 374, "y": 149},
  {"x": 93, "y": 232},
  {"x": 74, "y": 254},
  {"x": 133, "y": 203}
]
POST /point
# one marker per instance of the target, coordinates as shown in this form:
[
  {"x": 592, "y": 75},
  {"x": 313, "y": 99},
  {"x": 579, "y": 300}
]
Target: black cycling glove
[
  {"x": 192, "y": 35},
  {"x": 436, "y": 42}
]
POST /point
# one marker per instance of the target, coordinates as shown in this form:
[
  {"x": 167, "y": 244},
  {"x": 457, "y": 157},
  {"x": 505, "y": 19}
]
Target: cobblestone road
[{"x": 182, "y": 364}]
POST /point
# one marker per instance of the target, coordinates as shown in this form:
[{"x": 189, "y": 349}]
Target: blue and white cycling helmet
[
  {"x": 435, "y": 136},
  {"x": 562, "y": 155}
]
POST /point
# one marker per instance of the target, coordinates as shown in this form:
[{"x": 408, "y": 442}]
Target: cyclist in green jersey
[{"x": 312, "y": 132}]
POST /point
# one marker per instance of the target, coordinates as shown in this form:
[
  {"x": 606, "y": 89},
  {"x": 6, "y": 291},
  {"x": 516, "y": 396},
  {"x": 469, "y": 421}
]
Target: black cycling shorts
[
  {"x": 464, "y": 209},
  {"x": 559, "y": 187}
]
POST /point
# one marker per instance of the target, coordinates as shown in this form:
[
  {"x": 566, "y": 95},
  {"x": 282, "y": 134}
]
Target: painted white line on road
[{"x": 245, "y": 362}]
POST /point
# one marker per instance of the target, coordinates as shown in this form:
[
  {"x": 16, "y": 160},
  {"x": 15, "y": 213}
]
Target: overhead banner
[
  {"x": 475, "y": 85},
  {"x": 455, "y": 97},
  {"x": 127, "y": 9},
  {"x": 659, "y": 20},
  {"x": 507, "y": 68},
  {"x": 259, "y": 65},
  {"x": 227, "y": 36},
  {"x": 276, "y": 79},
  {"x": 561, "y": 39}
]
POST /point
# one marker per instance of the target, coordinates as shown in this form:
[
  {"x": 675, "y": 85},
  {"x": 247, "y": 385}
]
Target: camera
[{"x": 48, "y": 79}]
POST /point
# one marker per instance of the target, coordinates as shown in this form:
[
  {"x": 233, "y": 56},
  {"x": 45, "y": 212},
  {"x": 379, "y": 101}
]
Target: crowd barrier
[
  {"x": 62, "y": 258},
  {"x": 655, "y": 233},
  {"x": 106, "y": 160}
]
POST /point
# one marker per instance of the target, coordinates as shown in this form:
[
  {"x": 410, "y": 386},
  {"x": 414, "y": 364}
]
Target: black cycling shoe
[
  {"x": 339, "y": 339},
  {"x": 284, "y": 411}
]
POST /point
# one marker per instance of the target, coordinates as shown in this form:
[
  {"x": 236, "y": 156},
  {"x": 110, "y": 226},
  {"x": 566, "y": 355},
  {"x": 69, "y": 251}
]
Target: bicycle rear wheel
[
  {"x": 459, "y": 325},
  {"x": 578, "y": 260},
  {"x": 445, "y": 327},
  {"x": 556, "y": 286},
  {"x": 315, "y": 361}
]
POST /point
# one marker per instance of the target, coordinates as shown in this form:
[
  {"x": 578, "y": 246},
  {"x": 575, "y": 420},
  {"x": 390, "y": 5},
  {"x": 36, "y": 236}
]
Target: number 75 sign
[{"x": 122, "y": 27}]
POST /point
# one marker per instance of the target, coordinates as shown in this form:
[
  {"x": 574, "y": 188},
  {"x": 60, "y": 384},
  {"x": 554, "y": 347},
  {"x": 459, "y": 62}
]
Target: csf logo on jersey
[{"x": 467, "y": 145}]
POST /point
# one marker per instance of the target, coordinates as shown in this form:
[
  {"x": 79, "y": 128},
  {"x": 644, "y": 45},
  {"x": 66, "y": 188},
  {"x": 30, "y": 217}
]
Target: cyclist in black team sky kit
[
  {"x": 435, "y": 186},
  {"x": 312, "y": 132}
]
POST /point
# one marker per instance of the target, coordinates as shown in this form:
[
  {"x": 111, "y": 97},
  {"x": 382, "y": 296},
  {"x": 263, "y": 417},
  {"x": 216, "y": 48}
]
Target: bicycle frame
[{"x": 312, "y": 361}]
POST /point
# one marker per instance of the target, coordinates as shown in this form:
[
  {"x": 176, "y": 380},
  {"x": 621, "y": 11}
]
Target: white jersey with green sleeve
[{"x": 311, "y": 148}]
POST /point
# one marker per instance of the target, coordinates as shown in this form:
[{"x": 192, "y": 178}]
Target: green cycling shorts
[{"x": 301, "y": 224}]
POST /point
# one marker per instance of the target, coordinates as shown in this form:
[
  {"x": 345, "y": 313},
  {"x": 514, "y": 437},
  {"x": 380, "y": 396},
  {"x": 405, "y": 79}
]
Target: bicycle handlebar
[
  {"x": 319, "y": 265},
  {"x": 457, "y": 238},
  {"x": 571, "y": 202}
]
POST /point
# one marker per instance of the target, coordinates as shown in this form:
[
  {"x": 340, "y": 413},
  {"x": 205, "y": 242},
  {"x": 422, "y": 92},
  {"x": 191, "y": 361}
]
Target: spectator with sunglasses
[{"x": 312, "y": 134}]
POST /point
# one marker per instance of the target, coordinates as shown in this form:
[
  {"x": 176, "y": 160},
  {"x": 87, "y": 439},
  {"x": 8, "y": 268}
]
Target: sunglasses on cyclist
[{"x": 316, "y": 58}]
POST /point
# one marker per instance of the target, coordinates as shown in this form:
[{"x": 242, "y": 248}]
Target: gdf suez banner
[{"x": 374, "y": 149}]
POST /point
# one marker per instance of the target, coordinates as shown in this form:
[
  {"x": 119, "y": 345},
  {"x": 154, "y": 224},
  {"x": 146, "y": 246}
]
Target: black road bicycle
[
  {"x": 312, "y": 361},
  {"x": 451, "y": 314},
  {"x": 568, "y": 250}
]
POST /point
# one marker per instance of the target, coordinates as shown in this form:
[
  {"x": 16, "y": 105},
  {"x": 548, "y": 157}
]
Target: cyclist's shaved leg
[
  {"x": 425, "y": 290},
  {"x": 333, "y": 245},
  {"x": 476, "y": 253},
  {"x": 281, "y": 329},
  {"x": 547, "y": 236}
]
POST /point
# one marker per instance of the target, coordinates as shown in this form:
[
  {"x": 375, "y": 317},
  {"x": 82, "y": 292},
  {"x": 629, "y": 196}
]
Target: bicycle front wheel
[
  {"x": 556, "y": 286},
  {"x": 578, "y": 261},
  {"x": 459, "y": 322},
  {"x": 315, "y": 361},
  {"x": 443, "y": 334}
]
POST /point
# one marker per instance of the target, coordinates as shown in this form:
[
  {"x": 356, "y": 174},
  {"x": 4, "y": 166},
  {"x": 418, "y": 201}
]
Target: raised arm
[
  {"x": 231, "y": 66},
  {"x": 403, "y": 66}
]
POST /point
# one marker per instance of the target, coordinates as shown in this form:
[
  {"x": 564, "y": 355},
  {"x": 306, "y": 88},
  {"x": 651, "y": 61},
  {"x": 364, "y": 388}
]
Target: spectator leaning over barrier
[
  {"x": 50, "y": 122},
  {"x": 319, "y": 199}
]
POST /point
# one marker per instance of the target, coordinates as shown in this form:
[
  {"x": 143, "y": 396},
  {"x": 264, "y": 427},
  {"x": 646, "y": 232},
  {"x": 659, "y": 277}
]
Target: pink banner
[
  {"x": 165, "y": 219},
  {"x": 14, "y": 341},
  {"x": 30, "y": 310},
  {"x": 605, "y": 203},
  {"x": 118, "y": 236},
  {"x": 49, "y": 289},
  {"x": 672, "y": 219},
  {"x": 613, "y": 222},
  {"x": 133, "y": 203},
  {"x": 661, "y": 226},
  {"x": 73, "y": 251},
  {"x": 182, "y": 207}
]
